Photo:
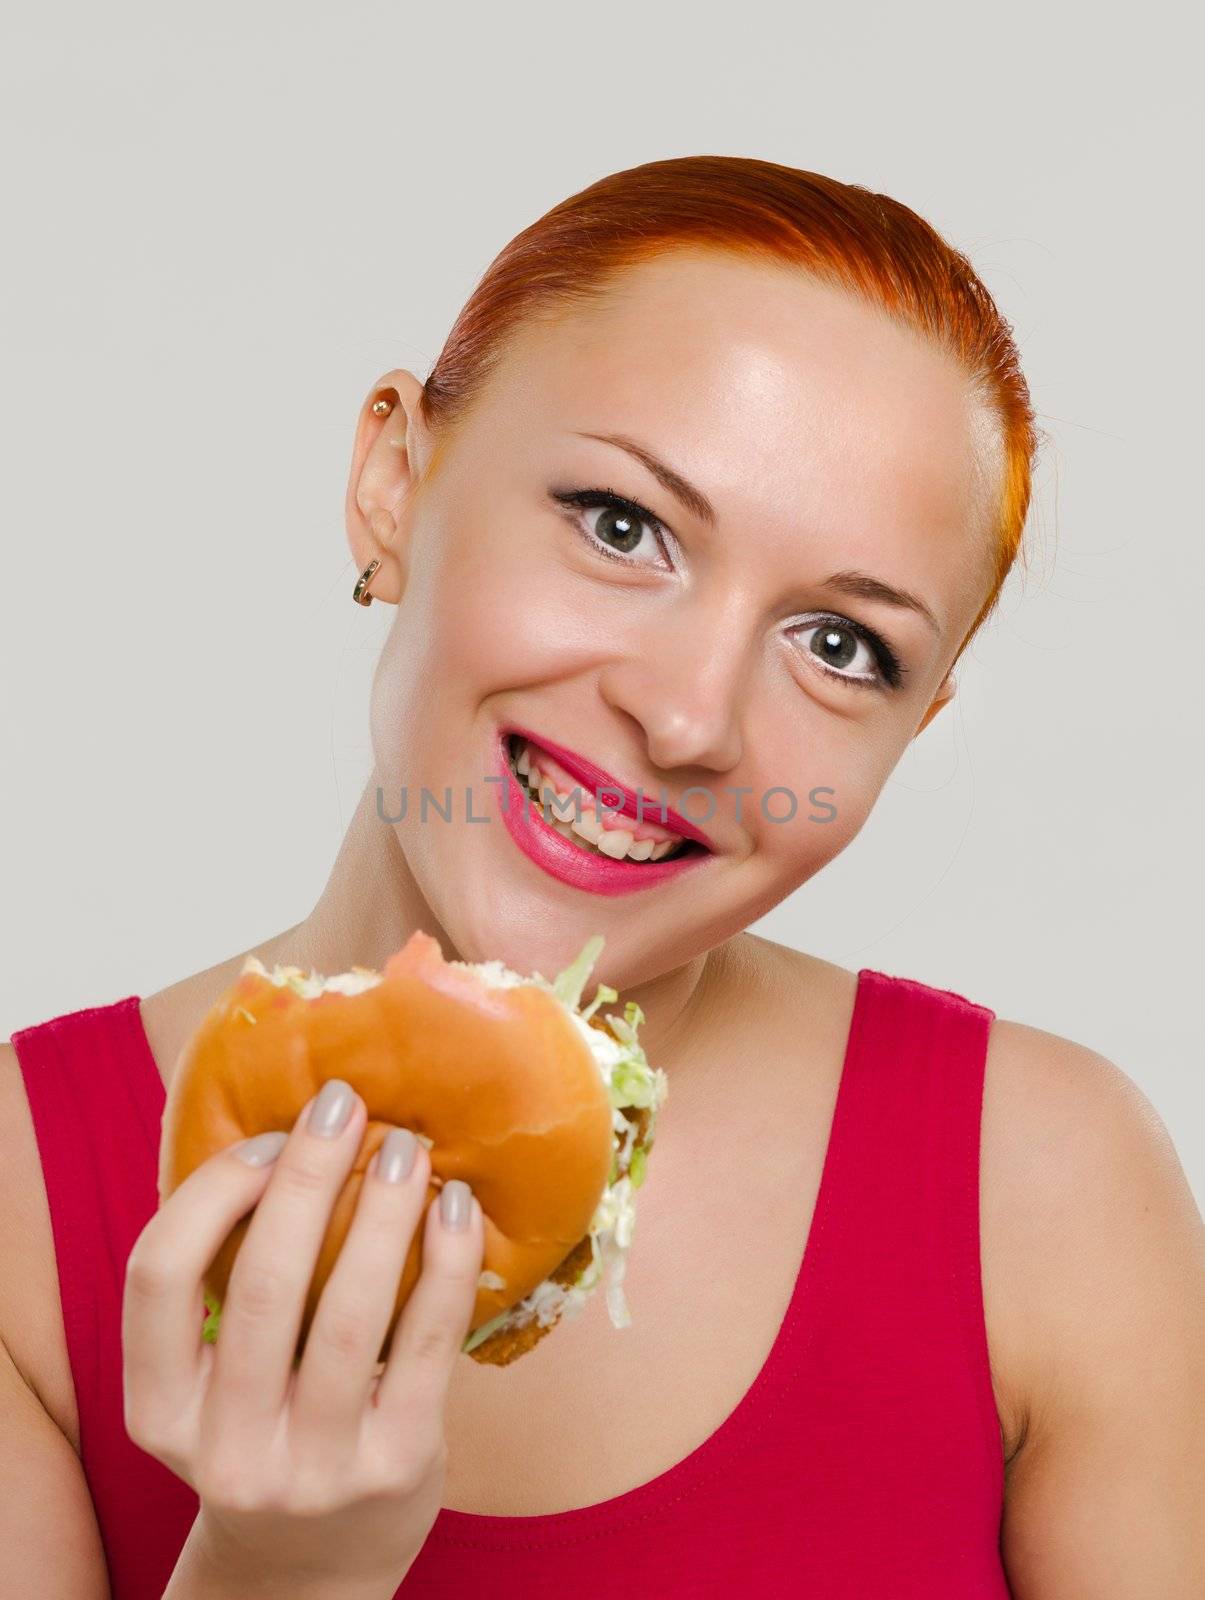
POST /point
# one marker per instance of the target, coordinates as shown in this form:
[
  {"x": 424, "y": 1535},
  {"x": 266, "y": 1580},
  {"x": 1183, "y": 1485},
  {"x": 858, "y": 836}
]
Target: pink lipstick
[
  {"x": 593, "y": 778},
  {"x": 573, "y": 862}
]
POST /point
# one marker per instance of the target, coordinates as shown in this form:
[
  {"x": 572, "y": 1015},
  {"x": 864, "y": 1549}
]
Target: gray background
[{"x": 224, "y": 223}]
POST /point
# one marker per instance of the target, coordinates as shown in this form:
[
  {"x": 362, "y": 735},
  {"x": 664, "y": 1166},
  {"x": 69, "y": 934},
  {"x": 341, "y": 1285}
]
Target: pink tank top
[{"x": 865, "y": 1460}]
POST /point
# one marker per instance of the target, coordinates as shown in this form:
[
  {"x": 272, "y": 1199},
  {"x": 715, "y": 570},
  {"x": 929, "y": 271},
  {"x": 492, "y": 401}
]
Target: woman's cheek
[
  {"x": 826, "y": 816},
  {"x": 526, "y": 628}
]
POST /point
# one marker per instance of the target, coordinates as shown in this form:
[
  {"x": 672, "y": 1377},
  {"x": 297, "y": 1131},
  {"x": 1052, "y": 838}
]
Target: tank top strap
[
  {"x": 97, "y": 1102},
  {"x": 900, "y": 1271}
]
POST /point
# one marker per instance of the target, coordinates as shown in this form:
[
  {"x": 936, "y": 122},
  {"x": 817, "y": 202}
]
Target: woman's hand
[{"x": 323, "y": 1474}]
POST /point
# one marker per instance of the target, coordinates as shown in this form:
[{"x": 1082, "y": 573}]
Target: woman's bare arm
[
  {"x": 1105, "y": 1255},
  {"x": 49, "y": 1542}
]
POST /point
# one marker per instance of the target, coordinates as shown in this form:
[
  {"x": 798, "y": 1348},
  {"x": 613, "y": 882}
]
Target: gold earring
[
  {"x": 382, "y": 407},
  {"x": 360, "y": 593}
]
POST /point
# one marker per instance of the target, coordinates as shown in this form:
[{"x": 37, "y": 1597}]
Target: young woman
[{"x": 721, "y": 468}]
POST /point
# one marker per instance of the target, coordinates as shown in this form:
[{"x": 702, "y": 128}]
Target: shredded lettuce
[
  {"x": 636, "y": 1170},
  {"x": 632, "y": 1081},
  {"x": 210, "y": 1330},
  {"x": 569, "y": 984},
  {"x": 603, "y": 993},
  {"x": 481, "y": 1334}
]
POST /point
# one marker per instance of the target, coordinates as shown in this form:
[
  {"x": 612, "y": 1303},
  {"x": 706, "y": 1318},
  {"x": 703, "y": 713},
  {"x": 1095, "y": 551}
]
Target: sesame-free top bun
[{"x": 498, "y": 1082}]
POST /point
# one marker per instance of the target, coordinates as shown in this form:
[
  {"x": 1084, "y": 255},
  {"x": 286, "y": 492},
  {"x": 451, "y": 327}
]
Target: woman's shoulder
[
  {"x": 1091, "y": 1241},
  {"x": 1049, "y": 1102},
  {"x": 1090, "y": 1236},
  {"x": 1069, "y": 1136}
]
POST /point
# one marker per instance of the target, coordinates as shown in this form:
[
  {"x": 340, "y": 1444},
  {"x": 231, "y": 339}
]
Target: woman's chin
[{"x": 519, "y": 942}]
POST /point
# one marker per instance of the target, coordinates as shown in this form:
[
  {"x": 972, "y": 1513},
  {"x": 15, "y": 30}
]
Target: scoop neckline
[{"x": 548, "y": 1529}]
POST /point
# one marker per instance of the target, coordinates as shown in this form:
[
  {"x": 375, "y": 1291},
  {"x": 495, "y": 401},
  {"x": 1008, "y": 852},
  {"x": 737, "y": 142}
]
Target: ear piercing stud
[{"x": 382, "y": 407}]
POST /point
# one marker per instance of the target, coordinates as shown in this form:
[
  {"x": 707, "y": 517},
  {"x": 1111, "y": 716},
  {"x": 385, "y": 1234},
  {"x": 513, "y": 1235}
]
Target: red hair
[{"x": 840, "y": 233}]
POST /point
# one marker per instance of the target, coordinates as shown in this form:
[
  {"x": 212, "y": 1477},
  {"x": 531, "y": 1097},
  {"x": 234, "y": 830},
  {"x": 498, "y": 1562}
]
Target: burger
[{"x": 546, "y": 1107}]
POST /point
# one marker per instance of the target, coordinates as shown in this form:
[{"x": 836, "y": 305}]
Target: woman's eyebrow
[
  {"x": 863, "y": 585},
  {"x": 695, "y": 501},
  {"x": 867, "y": 587}
]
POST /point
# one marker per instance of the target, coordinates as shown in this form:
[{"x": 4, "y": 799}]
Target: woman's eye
[
  {"x": 616, "y": 527},
  {"x": 844, "y": 651},
  {"x": 619, "y": 529}
]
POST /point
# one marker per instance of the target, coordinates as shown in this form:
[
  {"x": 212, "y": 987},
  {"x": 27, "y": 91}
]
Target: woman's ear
[
  {"x": 942, "y": 698},
  {"x": 388, "y": 457}
]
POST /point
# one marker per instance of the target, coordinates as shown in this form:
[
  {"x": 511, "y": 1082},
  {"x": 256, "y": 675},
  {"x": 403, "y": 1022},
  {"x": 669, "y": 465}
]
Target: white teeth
[
  {"x": 561, "y": 813},
  {"x": 556, "y": 805},
  {"x": 587, "y": 826}
]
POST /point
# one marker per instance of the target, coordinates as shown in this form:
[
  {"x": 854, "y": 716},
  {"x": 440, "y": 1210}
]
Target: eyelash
[
  {"x": 891, "y": 669},
  {"x": 585, "y": 499}
]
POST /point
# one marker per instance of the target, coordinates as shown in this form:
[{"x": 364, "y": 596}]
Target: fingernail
[
  {"x": 454, "y": 1204},
  {"x": 331, "y": 1109},
  {"x": 395, "y": 1160},
  {"x": 262, "y": 1149}
]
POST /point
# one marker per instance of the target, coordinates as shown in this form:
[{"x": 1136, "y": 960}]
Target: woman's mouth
[
  {"x": 558, "y": 824},
  {"x": 571, "y": 810}
]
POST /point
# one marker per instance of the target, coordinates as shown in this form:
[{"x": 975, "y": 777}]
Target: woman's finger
[
  {"x": 436, "y": 1317},
  {"x": 272, "y": 1272},
  {"x": 163, "y": 1302},
  {"x": 338, "y": 1365}
]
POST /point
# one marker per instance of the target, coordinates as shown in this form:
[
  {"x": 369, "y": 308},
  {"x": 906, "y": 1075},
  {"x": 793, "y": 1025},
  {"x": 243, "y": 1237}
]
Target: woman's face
[{"x": 672, "y": 649}]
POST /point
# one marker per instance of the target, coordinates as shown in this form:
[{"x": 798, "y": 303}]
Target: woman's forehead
[
  {"x": 795, "y": 408},
  {"x": 760, "y": 370}
]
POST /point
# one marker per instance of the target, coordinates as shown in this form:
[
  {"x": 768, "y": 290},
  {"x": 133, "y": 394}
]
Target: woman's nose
[{"x": 685, "y": 686}]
